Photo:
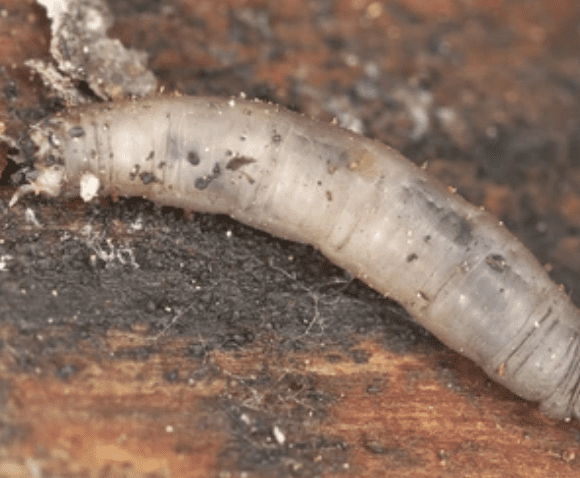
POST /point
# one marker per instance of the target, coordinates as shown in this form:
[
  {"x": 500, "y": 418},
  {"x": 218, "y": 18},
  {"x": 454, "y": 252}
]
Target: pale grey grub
[{"x": 453, "y": 266}]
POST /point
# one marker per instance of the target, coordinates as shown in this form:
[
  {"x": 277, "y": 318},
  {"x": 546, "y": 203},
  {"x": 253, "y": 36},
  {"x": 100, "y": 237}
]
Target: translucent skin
[{"x": 454, "y": 267}]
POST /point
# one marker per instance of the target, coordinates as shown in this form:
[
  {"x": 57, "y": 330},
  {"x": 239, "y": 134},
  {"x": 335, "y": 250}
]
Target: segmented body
[{"x": 454, "y": 267}]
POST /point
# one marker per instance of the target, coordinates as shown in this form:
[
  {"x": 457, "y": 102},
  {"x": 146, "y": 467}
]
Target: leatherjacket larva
[{"x": 453, "y": 266}]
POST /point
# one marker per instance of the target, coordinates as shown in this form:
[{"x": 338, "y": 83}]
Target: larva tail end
[
  {"x": 564, "y": 404},
  {"x": 556, "y": 409}
]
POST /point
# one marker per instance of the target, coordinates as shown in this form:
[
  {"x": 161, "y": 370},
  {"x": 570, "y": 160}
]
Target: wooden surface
[{"x": 139, "y": 341}]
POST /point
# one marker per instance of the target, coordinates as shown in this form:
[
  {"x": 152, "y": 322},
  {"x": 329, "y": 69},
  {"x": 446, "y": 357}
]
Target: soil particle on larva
[
  {"x": 238, "y": 162},
  {"x": 193, "y": 158}
]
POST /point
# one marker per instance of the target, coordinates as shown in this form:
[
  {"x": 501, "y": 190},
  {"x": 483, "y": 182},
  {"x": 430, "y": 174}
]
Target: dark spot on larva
[
  {"x": 239, "y": 161},
  {"x": 204, "y": 181},
  {"x": 328, "y": 195},
  {"x": 444, "y": 219},
  {"x": 161, "y": 165},
  {"x": 229, "y": 152},
  {"x": 150, "y": 156},
  {"x": 243, "y": 137},
  {"x": 335, "y": 158},
  {"x": 193, "y": 158},
  {"x": 53, "y": 141},
  {"x": 423, "y": 295},
  {"x": 276, "y": 138},
  {"x": 148, "y": 178},
  {"x": 497, "y": 262},
  {"x": 51, "y": 160},
  {"x": 427, "y": 238},
  {"x": 331, "y": 168},
  {"x": 76, "y": 132},
  {"x": 412, "y": 257},
  {"x": 134, "y": 172},
  {"x": 172, "y": 148},
  {"x": 454, "y": 226}
]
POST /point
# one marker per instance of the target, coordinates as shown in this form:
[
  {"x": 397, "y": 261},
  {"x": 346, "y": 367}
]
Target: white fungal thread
[{"x": 368, "y": 209}]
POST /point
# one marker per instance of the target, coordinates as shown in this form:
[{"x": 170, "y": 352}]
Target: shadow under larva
[{"x": 453, "y": 266}]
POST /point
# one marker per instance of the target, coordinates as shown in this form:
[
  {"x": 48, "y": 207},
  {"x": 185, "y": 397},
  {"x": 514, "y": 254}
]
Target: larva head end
[
  {"x": 38, "y": 152},
  {"x": 47, "y": 181}
]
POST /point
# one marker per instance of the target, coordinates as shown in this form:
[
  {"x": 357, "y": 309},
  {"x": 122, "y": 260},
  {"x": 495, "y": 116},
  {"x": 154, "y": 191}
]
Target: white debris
[
  {"x": 137, "y": 225},
  {"x": 279, "y": 435},
  {"x": 4, "y": 259},
  {"x": 124, "y": 255},
  {"x": 80, "y": 46},
  {"x": 89, "y": 186},
  {"x": 30, "y": 217},
  {"x": 418, "y": 103}
]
